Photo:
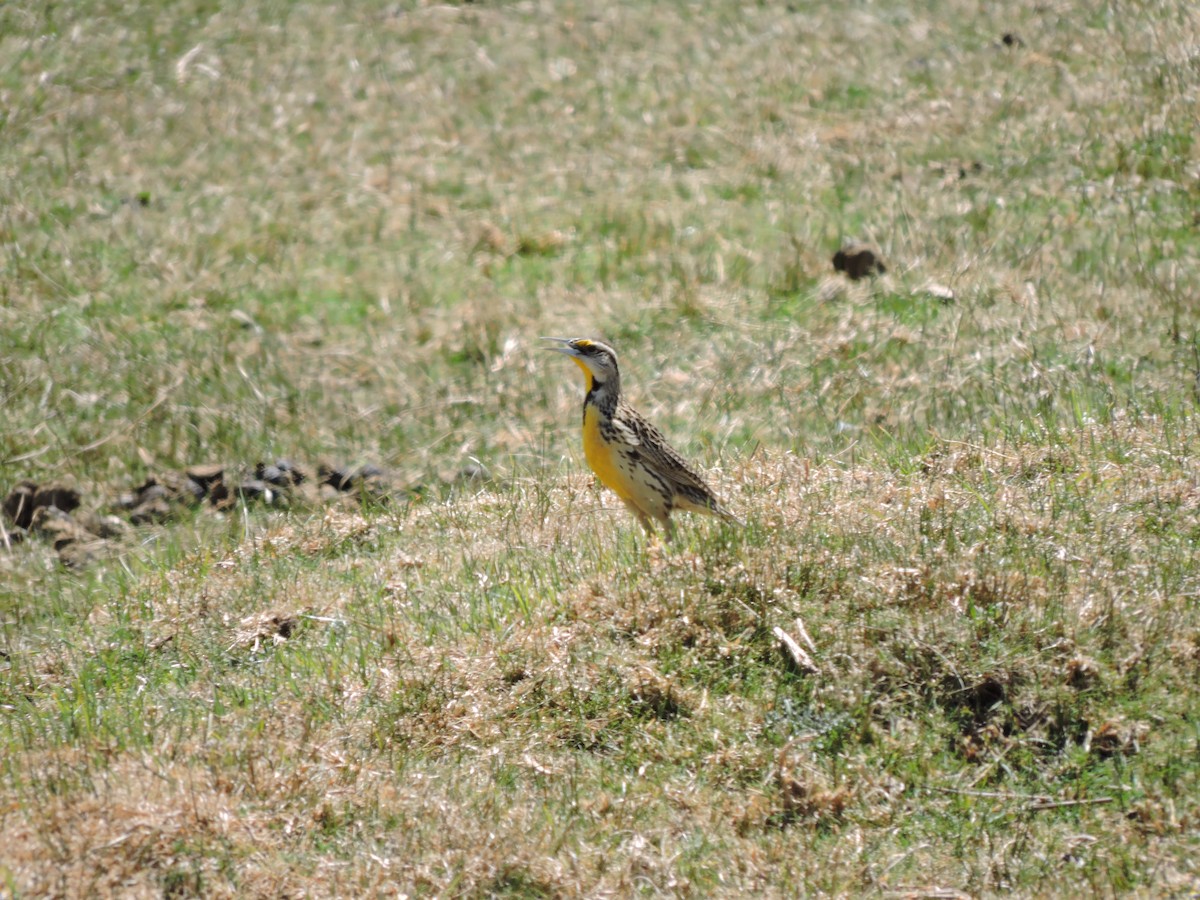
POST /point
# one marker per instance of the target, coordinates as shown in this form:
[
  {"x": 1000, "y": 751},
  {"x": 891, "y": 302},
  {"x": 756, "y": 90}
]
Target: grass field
[{"x": 237, "y": 232}]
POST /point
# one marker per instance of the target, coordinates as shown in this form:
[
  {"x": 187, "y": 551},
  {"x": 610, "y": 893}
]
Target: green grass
[{"x": 230, "y": 234}]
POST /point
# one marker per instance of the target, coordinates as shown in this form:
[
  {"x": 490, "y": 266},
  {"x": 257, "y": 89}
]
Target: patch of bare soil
[{"x": 82, "y": 533}]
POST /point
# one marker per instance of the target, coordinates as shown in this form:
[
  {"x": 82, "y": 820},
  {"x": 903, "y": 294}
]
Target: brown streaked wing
[{"x": 663, "y": 457}]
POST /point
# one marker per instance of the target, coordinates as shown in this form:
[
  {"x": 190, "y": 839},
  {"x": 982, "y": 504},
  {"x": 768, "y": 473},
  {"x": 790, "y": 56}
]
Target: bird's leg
[
  {"x": 643, "y": 519},
  {"x": 669, "y": 528}
]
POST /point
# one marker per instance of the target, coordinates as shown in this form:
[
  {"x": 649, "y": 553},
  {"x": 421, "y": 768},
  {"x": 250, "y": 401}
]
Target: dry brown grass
[
  {"x": 330, "y": 233},
  {"x": 416, "y": 734}
]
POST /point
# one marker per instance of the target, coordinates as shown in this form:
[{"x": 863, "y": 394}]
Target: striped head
[{"x": 597, "y": 359}]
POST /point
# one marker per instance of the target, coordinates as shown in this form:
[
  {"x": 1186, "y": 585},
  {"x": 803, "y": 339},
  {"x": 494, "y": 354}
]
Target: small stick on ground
[
  {"x": 803, "y": 632},
  {"x": 797, "y": 655}
]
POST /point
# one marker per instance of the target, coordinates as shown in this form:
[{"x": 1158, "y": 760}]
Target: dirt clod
[
  {"x": 59, "y": 527},
  {"x": 82, "y": 535},
  {"x": 109, "y": 527},
  {"x": 346, "y": 478},
  {"x": 255, "y": 489},
  {"x": 64, "y": 498},
  {"x": 154, "y": 511},
  {"x": 340, "y": 478},
  {"x": 858, "y": 261},
  {"x": 75, "y": 544},
  {"x": 281, "y": 473},
  {"x": 206, "y": 475},
  {"x": 18, "y": 505},
  {"x": 27, "y": 498}
]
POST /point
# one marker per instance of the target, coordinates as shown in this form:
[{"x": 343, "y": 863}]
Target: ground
[{"x": 446, "y": 662}]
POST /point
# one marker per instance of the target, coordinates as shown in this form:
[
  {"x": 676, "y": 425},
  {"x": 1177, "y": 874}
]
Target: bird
[{"x": 628, "y": 454}]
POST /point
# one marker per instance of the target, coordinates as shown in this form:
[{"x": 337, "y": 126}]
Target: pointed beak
[{"x": 566, "y": 348}]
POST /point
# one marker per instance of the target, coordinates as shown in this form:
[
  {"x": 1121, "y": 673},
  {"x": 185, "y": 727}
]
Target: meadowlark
[{"x": 628, "y": 454}]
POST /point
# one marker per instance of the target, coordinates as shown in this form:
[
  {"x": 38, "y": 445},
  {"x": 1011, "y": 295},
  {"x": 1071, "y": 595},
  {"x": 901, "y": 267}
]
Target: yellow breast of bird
[{"x": 611, "y": 466}]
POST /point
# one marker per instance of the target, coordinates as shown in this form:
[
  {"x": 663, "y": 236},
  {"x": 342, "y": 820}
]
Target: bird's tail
[{"x": 721, "y": 511}]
